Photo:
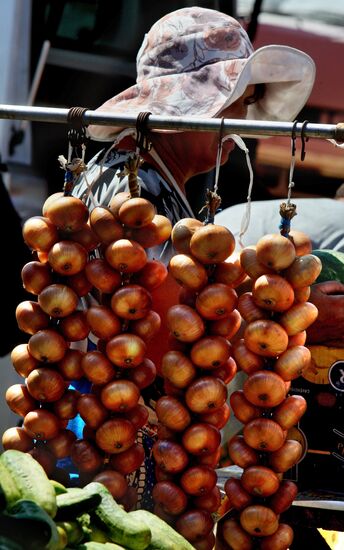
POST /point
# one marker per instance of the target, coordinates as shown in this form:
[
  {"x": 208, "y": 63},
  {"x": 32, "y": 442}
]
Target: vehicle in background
[{"x": 317, "y": 29}]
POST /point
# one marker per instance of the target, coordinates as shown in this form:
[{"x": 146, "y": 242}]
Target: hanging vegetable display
[{"x": 272, "y": 353}]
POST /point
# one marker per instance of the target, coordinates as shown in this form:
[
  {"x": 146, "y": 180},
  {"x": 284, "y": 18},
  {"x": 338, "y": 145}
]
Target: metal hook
[
  {"x": 303, "y": 139},
  {"x": 77, "y": 127},
  {"x": 221, "y": 131},
  {"x": 293, "y": 139},
  {"x": 218, "y": 155},
  {"x": 142, "y": 141}
]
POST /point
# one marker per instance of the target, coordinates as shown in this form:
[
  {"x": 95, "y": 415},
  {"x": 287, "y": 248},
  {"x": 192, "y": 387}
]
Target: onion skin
[
  {"x": 235, "y": 536},
  {"x": 170, "y": 456},
  {"x": 198, "y": 480},
  {"x": 263, "y": 434},
  {"x": 201, "y": 439},
  {"x": 303, "y": 271},
  {"x": 67, "y": 213},
  {"x": 243, "y": 410},
  {"x": 210, "y": 352},
  {"x": 286, "y": 456},
  {"x": 284, "y": 496},
  {"x": 60, "y": 446},
  {"x": 45, "y": 384},
  {"x": 266, "y": 338},
  {"x": 298, "y": 317},
  {"x": 188, "y": 272},
  {"x": 19, "y": 399},
  {"x": 67, "y": 257},
  {"x": 209, "y": 502},
  {"x": 212, "y": 244},
  {"x": 273, "y": 292},
  {"x": 86, "y": 456},
  {"x": 275, "y": 251},
  {"x": 264, "y": 389},
  {"x": 58, "y": 300},
  {"x": 144, "y": 374},
  {"x": 289, "y": 412},
  {"x": 260, "y": 481},
  {"x": 39, "y": 233},
  {"x": 170, "y": 497},
  {"x": 128, "y": 461},
  {"x": 182, "y": 232},
  {"x": 185, "y": 323},
  {"x": 194, "y": 524},
  {"x": 172, "y": 413},
  {"x": 218, "y": 418},
  {"x": 240, "y": 453},
  {"x": 258, "y": 520},
  {"x": 237, "y": 495},
  {"x": 41, "y": 424},
  {"x": 206, "y": 394},
  {"x": 216, "y": 301},
  {"x": 115, "y": 435},
  {"x": 114, "y": 482},
  {"x": 280, "y": 540},
  {"x": 17, "y": 438},
  {"x": 136, "y": 212},
  {"x": 177, "y": 368},
  {"x": 36, "y": 276}
]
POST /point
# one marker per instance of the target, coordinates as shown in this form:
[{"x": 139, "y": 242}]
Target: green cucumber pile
[{"x": 41, "y": 514}]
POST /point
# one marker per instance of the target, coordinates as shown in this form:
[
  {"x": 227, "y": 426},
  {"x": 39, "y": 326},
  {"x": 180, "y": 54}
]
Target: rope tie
[
  {"x": 247, "y": 213},
  {"x": 288, "y": 209},
  {"x": 213, "y": 199},
  {"x": 77, "y": 138},
  {"x": 77, "y": 132}
]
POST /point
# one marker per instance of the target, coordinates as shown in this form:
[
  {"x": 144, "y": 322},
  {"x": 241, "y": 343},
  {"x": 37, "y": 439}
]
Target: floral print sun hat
[{"x": 196, "y": 62}]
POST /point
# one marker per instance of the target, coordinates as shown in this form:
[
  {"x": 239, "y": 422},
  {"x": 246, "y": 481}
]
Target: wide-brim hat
[{"x": 197, "y": 61}]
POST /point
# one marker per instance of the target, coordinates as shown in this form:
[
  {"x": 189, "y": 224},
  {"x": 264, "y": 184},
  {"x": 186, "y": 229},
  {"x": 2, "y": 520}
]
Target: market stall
[{"x": 254, "y": 504}]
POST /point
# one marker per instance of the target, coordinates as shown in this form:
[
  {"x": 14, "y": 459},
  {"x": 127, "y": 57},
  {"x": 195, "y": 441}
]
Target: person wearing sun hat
[
  {"x": 193, "y": 62},
  {"x": 199, "y": 62}
]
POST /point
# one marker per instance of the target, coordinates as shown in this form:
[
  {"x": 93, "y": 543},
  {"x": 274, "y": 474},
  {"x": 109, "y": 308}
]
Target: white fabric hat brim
[{"x": 288, "y": 73}]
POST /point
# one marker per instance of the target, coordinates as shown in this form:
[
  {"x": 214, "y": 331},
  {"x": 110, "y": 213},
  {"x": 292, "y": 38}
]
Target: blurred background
[{"x": 65, "y": 53}]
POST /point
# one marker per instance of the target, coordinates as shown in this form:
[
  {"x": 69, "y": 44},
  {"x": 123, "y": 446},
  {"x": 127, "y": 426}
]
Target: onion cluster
[
  {"x": 76, "y": 253},
  {"x": 272, "y": 353},
  {"x": 196, "y": 371}
]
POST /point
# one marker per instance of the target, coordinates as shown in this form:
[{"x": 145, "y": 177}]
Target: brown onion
[
  {"x": 258, "y": 520},
  {"x": 170, "y": 456},
  {"x": 115, "y": 435},
  {"x": 114, "y": 482},
  {"x": 198, "y": 480},
  {"x": 172, "y": 413},
  {"x": 170, "y": 497},
  {"x": 205, "y": 394}
]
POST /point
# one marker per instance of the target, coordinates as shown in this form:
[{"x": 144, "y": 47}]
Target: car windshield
[{"x": 315, "y": 10}]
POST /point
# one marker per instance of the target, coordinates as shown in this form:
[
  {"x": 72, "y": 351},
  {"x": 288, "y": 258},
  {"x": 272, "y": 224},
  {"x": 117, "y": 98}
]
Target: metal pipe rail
[{"x": 156, "y": 122}]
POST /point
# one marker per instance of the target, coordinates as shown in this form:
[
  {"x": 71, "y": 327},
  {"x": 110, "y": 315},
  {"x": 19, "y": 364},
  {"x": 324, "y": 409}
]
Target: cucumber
[
  {"x": 75, "y": 502},
  {"x": 163, "y": 536},
  {"x": 73, "y": 531},
  {"x": 22, "y": 477},
  {"x": 58, "y": 487},
  {"x": 122, "y": 528},
  {"x": 97, "y": 535}
]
